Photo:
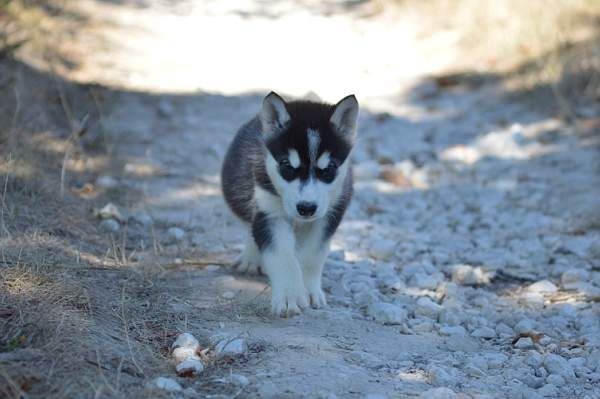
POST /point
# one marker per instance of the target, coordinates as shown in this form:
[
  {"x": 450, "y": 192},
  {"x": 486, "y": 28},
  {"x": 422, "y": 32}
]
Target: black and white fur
[{"x": 287, "y": 175}]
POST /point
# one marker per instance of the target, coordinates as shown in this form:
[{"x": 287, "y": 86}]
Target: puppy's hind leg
[{"x": 249, "y": 260}]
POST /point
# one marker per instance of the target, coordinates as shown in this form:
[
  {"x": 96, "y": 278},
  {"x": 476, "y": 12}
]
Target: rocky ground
[{"x": 467, "y": 266}]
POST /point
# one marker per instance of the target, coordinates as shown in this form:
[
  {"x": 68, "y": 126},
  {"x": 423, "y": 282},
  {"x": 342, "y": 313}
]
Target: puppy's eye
[
  {"x": 328, "y": 174},
  {"x": 286, "y": 169}
]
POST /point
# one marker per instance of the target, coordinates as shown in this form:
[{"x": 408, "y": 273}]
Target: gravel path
[{"x": 468, "y": 263}]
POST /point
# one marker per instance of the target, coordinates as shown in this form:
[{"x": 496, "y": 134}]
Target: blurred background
[{"x": 478, "y": 146}]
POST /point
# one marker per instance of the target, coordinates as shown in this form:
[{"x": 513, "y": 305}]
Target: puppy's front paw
[
  {"x": 289, "y": 299},
  {"x": 246, "y": 266},
  {"x": 316, "y": 297}
]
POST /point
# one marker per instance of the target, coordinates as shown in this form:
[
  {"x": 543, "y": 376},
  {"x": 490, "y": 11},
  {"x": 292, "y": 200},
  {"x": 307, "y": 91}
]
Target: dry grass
[{"x": 550, "y": 46}]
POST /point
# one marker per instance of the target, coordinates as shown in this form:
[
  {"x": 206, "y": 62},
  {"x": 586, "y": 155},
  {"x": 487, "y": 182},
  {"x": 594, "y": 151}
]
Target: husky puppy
[{"x": 287, "y": 175}]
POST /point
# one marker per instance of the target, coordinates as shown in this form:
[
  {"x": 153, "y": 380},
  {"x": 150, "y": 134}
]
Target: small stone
[
  {"x": 110, "y": 211},
  {"x": 573, "y": 276},
  {"x": 239, "y": 380},
  {"x": 453, "y": 330},
  {"x": 428, "y": 308},
  {"x": 189, "y": 367},
  {"x": 496, "y": 360},
  {"x": 548, "y": 391},
  {"x": 386, "y": 313},
  {"x": 542, "y": 287},
  {"x": 424, "y": 281},
  {"x": 503, "y": 329},
  {"x": 382, "y": 249},
  {"x": 167, "y": 384},
  {"x": 190, "y": 392},
  {"x": 484, "y": 332},
  {"x": 228, "y": 295},
  {"x": 524, "y": 326},
  {"x": 175, "y": 234},
  {"x": 534, "y": 359},
  {"x": 541, "y": 372},
  {"x": 555, "y": 380},
  {"x": 106, "y": 182},
  {"x": 141, "y": 218},
  {"x": 185, "y": 340},
  {"x": 558, "y": 365},
  {"x": 468, "y": 275},
  {"x": 422, "y": 325},
  {"x": 439, "y": 393},
  {"x": 474, "y": 371},
  {"x": 524, "y": 343},
  {"x": 109, "y": 226},
  {"x": 451, "y": 316},
  {"x": 231, "y": 348}
]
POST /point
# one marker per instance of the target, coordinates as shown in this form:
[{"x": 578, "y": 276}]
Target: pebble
[
  {"x": 451, "y": 316},
  {"x": 106, "y": 182},
  {"x": 110, "y": 226},
  {"x": 239, "y": 380},
  {"x": 110, "y": 211},
  {"x": 425, "y": 281},
  {"x": 542, "y": 287},
  {"x": 524, "y": 343},
  {"x": 228, "y": 295},
  {"x": 534, "y": 359},
  {"x": 524, "y": 326},
  {"x": 167, "y": 384},
  {"x": 474, "y": 371},
  {"x": 231, "y": 348},
  {"x": 428, "y": 308},
  {"x": 453, "y": 330},
  {"x": 484, "y": 332},
  {"x": 495, "y": 360},
  {"x": 189, "y": 367},
  {"x": 382, "y": 249},
  {"x": 573, "y": 276},
  {"x": 503, "y": 329},
  {"x": 556, "y": 364},
  {"x": 469, "y": 275},
  {"x": 386, "y": 313},
  {"x": 175, "y": 234},
  {"x": 141, "y": 218},
  {"x": 556, "y": 380},
  {"x": 439, "y": 393},
  {"x": 548, "y": 391}
]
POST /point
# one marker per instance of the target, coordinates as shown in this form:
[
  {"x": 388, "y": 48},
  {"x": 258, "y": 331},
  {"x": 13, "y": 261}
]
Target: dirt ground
[{"x": 469, "y": 259}]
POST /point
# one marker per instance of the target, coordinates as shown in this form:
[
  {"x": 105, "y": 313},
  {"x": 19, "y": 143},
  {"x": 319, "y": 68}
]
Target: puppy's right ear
[{"x": 273, "y": 115}]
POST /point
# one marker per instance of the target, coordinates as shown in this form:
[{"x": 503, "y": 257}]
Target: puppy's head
[{"x": 307, "y": 148}]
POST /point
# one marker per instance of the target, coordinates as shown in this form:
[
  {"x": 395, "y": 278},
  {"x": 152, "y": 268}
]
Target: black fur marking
[
  {"x": 261, "y": 230},
  {"x": 336, "y": 213},
  {"x": 306, "y": 115}
]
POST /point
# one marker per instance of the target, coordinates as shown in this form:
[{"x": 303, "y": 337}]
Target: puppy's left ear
[{"x": 345, "y": 115}]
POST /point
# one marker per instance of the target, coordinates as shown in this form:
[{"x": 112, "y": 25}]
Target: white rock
[
  {"x": 534, "y": 359},
  {"x": 142, "y": 218},
  {"x": 428, "y": 308},
  {"x": 474, "y": 371},
  {"x": 110, "y": 211},
  {"x": 190, "y": 367},
  {"x": 231, "y": 348},
  {"x": 439, "y": 393},
  {"x": 228, "y": 295},
  {"x": 542, "y": 287},
  {"x": 573, "y": 276},
  {"x": 425, "y": 281},
  {"x": 484, "y": 332},
  {"x": 524, "y": 343},
  {"x": 239, "y": 380},
  {"x": 548, "y": 391},
  {"x": 167, "y": 384},
  {"x": 496, "y": 360},
  {"x": 453, "y": 330},
  {"x": 106, "y": 182},
  {"x": 558, "y": 365},
  {"x": 468, "y": 275},
  {"x": 451, "y": 316},
  {"x": 386, "y": 313},
  {"x": 382, "y": 249},
  {"x": 186, "y": 340},
  {"x": 524, "y": 326},
  {"x": 110, "y": 226},
  {"x": 556, "y": 380},
  {"x": 503, "y": 329},
  {"x": 184, "y": 353},
  {"x": 175, "y": 234}
]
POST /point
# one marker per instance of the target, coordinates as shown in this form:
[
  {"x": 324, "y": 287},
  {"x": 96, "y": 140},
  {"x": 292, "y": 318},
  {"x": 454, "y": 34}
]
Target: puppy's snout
[{"x": 306, "y": 209}]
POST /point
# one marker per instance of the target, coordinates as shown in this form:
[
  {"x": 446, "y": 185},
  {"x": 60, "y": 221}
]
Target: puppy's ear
[
  {"x": 345, "y": 115},
  {"x": 273, "y": 115}
]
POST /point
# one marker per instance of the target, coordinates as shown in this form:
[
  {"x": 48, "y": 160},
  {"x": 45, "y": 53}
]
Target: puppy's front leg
[
  {"x": 313, "y": 251},
  {"x": 275, "y": 239}
]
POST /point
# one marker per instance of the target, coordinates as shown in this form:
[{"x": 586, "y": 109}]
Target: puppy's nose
[{"x": 306, "y": 208}]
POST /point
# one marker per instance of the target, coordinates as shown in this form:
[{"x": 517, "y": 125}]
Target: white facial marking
[
  {"x": 323, "y": 160},
  {"x": 294, "y": 158},
  {"x": 314, "y": 139}
]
